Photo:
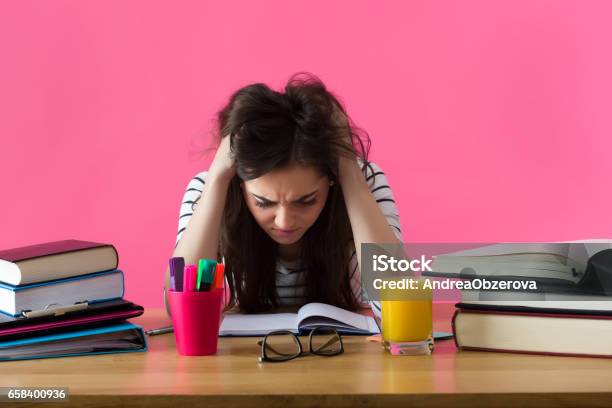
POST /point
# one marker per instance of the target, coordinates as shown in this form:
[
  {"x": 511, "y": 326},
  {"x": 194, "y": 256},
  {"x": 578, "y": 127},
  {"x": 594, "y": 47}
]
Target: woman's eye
[
  {"x": 263, "y": 204},
  {"x": 310, "y": 202}
]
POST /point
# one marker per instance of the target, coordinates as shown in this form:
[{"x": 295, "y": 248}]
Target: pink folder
[{"x": 96, "y": 314}]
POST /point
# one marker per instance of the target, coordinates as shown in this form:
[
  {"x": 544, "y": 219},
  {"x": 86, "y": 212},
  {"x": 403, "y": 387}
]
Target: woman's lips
[{"x": 284, "y": 233}]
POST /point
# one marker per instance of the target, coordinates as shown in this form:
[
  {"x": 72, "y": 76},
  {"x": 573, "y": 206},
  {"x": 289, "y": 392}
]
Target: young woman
[{"x": 288, "y": 200}]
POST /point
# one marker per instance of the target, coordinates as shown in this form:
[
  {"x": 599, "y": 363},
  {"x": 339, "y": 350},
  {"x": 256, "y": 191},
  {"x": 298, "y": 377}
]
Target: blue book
[
  {"x": 90, "y": 288},
  {"x": 117, "y": 338}
]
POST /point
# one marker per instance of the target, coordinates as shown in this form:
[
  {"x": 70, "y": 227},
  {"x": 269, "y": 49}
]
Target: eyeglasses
[{"x": 282, "y": 345}]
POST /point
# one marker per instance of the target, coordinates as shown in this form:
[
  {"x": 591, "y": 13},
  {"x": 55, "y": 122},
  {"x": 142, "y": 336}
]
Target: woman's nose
[{"x": 284, "y": 218}]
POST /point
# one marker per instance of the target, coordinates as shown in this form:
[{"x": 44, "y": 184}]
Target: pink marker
[{"x": 190, "y": 279}]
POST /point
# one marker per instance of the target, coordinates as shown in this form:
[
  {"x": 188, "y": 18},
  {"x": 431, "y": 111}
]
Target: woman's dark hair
[{"x": 306, "y": 125}]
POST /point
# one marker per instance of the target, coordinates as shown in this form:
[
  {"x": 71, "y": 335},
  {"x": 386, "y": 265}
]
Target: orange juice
[{"x": 408, "y": 317}]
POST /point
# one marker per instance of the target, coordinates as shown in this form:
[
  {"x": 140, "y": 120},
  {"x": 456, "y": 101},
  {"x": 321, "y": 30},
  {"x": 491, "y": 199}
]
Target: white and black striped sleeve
[
  {"x": 192, "y": 194},
  {"x": 381, "y": 190},
  {"x": 188, "y": 204}
]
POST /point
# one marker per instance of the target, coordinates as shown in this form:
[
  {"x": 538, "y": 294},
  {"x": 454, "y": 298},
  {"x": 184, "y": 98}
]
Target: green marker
[
  {"x": 206, "y": 274},
  {"x": 209, "y": 274},
  {"x": 201, "y": 267}
]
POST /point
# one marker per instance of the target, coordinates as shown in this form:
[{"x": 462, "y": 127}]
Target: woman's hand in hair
[
  {"x": 223, "y": 165},
  {"x": 348, "y": 157},
  {"x": 341, "y": 122}
]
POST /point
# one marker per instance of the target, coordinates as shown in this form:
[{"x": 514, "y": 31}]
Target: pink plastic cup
[{"x": 196, "y": 317}]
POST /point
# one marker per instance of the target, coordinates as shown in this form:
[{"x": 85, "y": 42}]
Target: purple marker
[{"x": 177, "y": 267}]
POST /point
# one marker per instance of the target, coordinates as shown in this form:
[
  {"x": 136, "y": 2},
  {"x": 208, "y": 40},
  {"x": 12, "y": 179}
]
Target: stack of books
[
  {"x": 570, "y": 313},
  {"x": 65, "y": 298}
]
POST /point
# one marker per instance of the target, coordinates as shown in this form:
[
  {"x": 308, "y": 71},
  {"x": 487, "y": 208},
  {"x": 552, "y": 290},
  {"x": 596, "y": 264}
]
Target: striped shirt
[{"x": 289, "y": 275}]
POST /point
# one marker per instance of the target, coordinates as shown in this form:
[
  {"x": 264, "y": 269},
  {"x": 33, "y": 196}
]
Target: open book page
[
  {"x": 535, "y": 261},
  {"x": 501, "y": 267},
  {"x": 320, "y": 314},
  {"x": 235, "y": 324},
  {"x": 560, "y": 248},
  {"x": 524, "y": 257}
]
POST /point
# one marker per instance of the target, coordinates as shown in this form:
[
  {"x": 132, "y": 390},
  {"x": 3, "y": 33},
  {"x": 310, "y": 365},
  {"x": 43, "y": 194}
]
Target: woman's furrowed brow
[{"x": 299, "y": 199}]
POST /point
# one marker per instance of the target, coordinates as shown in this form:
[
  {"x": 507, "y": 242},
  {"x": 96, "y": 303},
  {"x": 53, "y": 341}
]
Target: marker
[
  {"x": 219, "y": 281},
  {"x": 187, "y": 279},
  {"x": 201, "y": 268},
  {"x": 172, "y": 284},
  {"x": 191, "y": 274},
  {"x": 209, "y": 275},
  {"x": 206, "y": 274},
  {"x": 177, "y": 265}
]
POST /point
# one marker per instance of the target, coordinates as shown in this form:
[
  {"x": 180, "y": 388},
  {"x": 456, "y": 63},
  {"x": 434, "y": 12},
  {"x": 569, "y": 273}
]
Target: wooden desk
[{"x": 364, "y": 375}]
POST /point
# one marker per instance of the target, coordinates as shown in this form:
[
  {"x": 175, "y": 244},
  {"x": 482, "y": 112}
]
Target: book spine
[
  {"x": 561, "y": 314},
  {"x": 457, "y": 311},
  {"x": 62, "y": 280},
  {"x": 50, "y": 248},
  {"x": 500, "y": 350}
]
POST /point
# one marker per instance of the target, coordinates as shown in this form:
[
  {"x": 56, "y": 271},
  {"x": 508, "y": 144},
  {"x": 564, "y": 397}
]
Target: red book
[{"x": 55, "y": 260}]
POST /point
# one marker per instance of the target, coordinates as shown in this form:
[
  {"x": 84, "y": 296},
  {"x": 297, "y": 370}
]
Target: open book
[
  {"x": 307, "y": 318},
  {"x": 560, "y": 263}
]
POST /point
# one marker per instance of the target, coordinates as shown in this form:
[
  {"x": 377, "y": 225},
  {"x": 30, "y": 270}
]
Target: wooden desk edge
[{"x": 343, "y": 400}]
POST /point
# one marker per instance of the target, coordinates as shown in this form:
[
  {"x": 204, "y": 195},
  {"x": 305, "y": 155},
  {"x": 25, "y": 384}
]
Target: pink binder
[{"x": 93, "y": 315}]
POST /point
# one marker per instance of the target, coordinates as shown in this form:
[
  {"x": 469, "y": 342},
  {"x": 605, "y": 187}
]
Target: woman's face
[{"x": 286, "y": 202}]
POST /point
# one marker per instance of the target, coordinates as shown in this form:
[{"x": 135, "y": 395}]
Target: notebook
[
  {"x": 308, "y": 317},
  {"x": 118, "y": 338},
  {"x": 96, "y": 314},
  {"x": 55, "y": 260},
  {"x": 92, "y": 288}
]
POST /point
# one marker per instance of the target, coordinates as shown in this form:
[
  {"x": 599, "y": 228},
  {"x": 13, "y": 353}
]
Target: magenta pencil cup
[{"x": 196, "y": 317}]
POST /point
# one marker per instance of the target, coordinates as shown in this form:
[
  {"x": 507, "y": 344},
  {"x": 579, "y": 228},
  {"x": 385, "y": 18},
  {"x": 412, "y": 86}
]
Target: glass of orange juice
[{"x": 407, "y": 323}]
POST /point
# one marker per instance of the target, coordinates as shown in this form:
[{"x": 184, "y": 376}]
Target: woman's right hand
[{"x": 223, "y": 165}]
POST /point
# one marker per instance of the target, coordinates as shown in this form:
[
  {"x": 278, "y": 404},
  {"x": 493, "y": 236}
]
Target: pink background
[{"x": 492, "y": 120}]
